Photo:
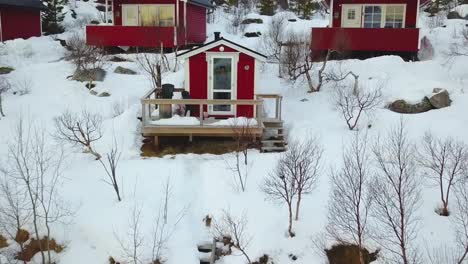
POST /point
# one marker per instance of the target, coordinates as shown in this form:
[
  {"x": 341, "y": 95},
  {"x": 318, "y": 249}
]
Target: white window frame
[
  {"x": 157, "y": 5},
  {"x": 384, "y": 13},
  {"x": 210, "y": 56}
]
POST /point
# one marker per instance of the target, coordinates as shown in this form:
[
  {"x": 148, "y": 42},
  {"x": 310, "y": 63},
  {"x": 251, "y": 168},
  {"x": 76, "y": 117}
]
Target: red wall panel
[
  {"x": 113, "y": 36},
  {"x": 411, "y": 9},
  {"x": 196, "y": 24},
  {"x": 20, "y": 23},
  {"x": 198, "y": 80}
]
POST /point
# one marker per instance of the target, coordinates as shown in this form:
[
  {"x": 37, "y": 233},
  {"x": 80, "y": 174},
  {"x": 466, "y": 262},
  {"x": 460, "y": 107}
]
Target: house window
[
  {"x": 351, "y": 14},
  {"x": 372, "y": 16},
  {"x": 149, "y": 15},
  {"x": 394, "y": 16}
]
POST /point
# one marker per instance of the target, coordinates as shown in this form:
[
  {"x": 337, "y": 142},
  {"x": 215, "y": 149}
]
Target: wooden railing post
[
  {"x": 201, "y": 114},
  {"x": 143, "y": 112}
]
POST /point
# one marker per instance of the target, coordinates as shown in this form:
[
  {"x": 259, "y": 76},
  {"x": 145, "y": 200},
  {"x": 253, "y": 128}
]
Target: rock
[
  {"x": 101, "y": 8},
  {"x": 6, "y": 70},
  {"x": 104, "y": 94},
  {"x": 118, "y": 59},
  {"x": 437, "y": 90},
  {"x": 94, "y": 22},
  {"x": 454, "y": 15},
  {"x": 252, "y": 34},
  {"x": 440, "y": 98},
  {"x": 93, "y": 92},
  {"x": 122, "y": 70},
  {"x": 252, "y": 21},
  {"x": 87, "y": 75},
  {"x": 292, "y": 20},
  {"x": 403, "y": 107},
  {"x": 304, "y": 100}
]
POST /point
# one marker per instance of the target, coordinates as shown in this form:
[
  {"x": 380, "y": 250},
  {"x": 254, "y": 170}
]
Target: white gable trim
[{"x": 224, "y": 43}]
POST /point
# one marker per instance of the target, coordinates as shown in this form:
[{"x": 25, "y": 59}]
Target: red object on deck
[
  {"x": 189, "y": 26},
  {"x": 19, "y": 22},
  {"x": 201, "y": 71},
  {"x": 369, "y": 25}
]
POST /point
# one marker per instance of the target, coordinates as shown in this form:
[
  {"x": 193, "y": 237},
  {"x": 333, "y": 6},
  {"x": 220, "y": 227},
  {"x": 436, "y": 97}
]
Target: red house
[
  {"x": 387, "y": 26},
  {"x": 20, "y": 19},
  {"x": 151, "y": 23},
  {"x": 222, "y": 69}
]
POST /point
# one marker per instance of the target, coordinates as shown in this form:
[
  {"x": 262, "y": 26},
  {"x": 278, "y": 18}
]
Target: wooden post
[
  {"x": 107, "y": 9},
  {"x": 156, "y": 141},
  {"x": 280, "y": 106},
  {"x": 201, "y": 114},
  {"x": 143, "y": 113}
]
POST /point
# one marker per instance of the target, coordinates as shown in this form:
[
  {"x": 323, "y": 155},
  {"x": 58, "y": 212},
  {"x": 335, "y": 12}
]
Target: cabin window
[
  {"x": 372, "y": 16},
  {"x": 351, "y": 14},
  {"x": 149, "y": 15},
  {"x": 394, "y": 16}
]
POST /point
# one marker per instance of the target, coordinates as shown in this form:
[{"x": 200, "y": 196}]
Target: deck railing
[
  {"x": 278, "y": 103},
  {"x": 151, "y": 102}
]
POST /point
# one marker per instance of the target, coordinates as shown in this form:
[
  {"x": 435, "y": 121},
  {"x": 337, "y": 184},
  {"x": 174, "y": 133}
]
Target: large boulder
[
  {"x": 87, "y": 75},
  {"x": 403, "y": 107},
  {"x": 440, "y": 98},
  {"x": 6, "y": 70},
  {"x": 252, "y": 21},
  {"x": 122, "y": 70}
]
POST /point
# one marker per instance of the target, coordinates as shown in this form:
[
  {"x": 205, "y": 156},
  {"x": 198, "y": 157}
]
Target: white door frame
[
  {"x": 210, "y": 56},
  {"x": 358, "y": 15},
  {"x": 124, "y": 14}
]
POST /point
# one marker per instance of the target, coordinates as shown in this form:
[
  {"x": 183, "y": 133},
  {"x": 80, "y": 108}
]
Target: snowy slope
[{"x": 203, "y": 183}]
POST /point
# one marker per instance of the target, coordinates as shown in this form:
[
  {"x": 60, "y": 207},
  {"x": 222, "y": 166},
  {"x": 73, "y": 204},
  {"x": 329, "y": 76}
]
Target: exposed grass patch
[
  {"x": 34, "y": 246},
  {"x": 181, "y": 145},
  {"x": 6, "y": 70},
  {"x": 3, "y": 242},
  {"x": 349, "y": 254}
]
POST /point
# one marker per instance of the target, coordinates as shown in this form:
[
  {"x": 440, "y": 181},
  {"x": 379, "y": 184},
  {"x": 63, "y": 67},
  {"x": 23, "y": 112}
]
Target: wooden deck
[{"x": 201, "y": 126}]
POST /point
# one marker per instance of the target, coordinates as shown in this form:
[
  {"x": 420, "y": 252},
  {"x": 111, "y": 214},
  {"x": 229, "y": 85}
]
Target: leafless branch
[{"x": 5, "y": 86}]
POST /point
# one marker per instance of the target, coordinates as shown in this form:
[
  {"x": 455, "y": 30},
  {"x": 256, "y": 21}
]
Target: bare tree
[
  {"x": 80, "y": 129},
  {"x": 460, "y": 220},
  {"x": 355, "y": 100},
  {"x": 303, "y": 161},
  {"x": 458, "y": 47},
  {"x": 295, "y": 58},
  {"x": 132, "y": 250},
  {"x": 5, "y": 86},
  {"x": 110, "y": 167},
  {"x": 236, "y": 15},
  {"x": 295, "y": 175},
  {"x": 163, "y": 230},
  {"x": 14, "y": 209},
  {"x": 272, "y": 40},
  {"x": 154, "y": 64},
  {"x": 23, "y": 85},
  {"x": 36, "y": 168},
  {"x": 396, "y": 192},
  {"x": 280, "y": 185},
  {"x": 351, "y": 200},
  {"x": 445, "y": 162},
  {"x": 234, "y": 228},
  {"x": 244, "y": 139}
]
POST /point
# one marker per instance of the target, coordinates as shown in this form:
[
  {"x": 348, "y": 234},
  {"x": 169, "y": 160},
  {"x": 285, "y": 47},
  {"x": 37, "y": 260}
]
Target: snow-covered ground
[{"x": 204, "y": 183}]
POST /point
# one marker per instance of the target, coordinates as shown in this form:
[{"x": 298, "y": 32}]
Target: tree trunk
[
  {"x": 291, "y": 234},
  {"x": 298, "y": 203},
  {"x": 1, "y": 107}
]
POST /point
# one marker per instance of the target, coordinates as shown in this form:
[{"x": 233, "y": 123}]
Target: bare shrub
[
  {"x": 397, "y": 195},
  {"x": 35, "y": 167},
  {"x": 110, "y": 167},
  {"x": 296, "y": 174},
  {"x": 236, "y": 16},
  {"x": 79, "y": 129},
  {"x": 435, "y": 21},
  {"x": 244, "y": 139},
  {"x": 88, "y": 60},
  {"x": 132, "y": 244},
  {"x": 234, "y": 228},
  {"x": 355, "y": 100},
  {"x": 445, "y": 162},
  {"x": 459, "y": 48},
  {"x": 441, "y": 254},
  {"x": 118, "y": 108},
  {"x": 351, "y": 198},
  {"x": 154, "y": 64},
  {"x": 5, "y": 86},
  {"x": 272, "y": 39},
  {"x": 23, "y": 86}
]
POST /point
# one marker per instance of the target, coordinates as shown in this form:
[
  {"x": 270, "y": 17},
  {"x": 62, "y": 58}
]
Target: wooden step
[
  {"x": 273, "y": 141},
  {"x": 273, "y": 149},
  {"x": 273, "y": 125}
]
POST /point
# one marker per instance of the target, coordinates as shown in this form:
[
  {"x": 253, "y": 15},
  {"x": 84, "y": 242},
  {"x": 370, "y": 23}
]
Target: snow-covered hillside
[{"x": 203, "y": 184}]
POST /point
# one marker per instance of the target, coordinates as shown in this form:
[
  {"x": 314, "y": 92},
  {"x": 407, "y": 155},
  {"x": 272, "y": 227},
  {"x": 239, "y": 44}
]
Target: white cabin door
[
  {"x": 222, "y": 80},
  {"x": 130, "y": 15},
  {"x": 351, "y": 16}
]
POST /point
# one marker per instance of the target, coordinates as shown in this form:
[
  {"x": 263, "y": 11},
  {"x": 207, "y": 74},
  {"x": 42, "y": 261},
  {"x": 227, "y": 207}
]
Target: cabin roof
[
  {"x": 204, "y": 3},
  {"x": 36, "y": 4},
  {"x": 225, "y": 42}
]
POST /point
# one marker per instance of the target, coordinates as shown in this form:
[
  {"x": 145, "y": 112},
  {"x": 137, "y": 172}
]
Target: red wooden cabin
[
  {"x": 222, "y": 69},
  {"x": 389, "y": 26},
  {"x": 20, "y": 19},
  {"x": 151, "y": 23}
]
